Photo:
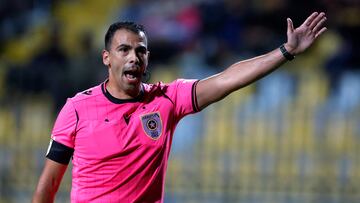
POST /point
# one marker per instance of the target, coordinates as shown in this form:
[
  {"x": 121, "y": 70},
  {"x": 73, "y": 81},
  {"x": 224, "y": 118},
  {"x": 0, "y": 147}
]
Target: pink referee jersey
[{"x": 121, "y": 147}]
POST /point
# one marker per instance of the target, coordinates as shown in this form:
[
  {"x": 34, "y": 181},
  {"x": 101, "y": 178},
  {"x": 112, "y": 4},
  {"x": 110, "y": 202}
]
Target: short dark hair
[{"x": 131, "y": 26}]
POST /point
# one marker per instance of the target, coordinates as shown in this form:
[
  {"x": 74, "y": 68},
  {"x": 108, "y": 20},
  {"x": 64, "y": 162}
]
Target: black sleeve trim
[
  {"x": 59, "y": 152},
  {"x": 77, "y": 119},
  {"x": 194, "y": 97}
]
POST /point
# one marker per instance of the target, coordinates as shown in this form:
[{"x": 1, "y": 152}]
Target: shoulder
[
  {"x": 168, "y": 86},
  {"x": 87, "y": 94}
]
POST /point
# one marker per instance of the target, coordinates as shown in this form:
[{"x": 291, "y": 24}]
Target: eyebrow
[
  {"x": 123, "y": 45},
  {"x": 129, "y": 46}
]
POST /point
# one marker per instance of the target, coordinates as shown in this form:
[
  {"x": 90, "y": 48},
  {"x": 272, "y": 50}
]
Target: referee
[{"x": 119, "y": 133}]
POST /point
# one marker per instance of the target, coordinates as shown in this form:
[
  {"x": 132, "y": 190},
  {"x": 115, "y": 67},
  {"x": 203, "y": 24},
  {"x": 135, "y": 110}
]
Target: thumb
[{"x": 290, "y": 26}]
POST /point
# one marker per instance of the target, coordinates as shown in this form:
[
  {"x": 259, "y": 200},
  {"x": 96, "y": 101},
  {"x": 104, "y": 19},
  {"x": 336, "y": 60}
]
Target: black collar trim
[{"x": 121, "y": 101}]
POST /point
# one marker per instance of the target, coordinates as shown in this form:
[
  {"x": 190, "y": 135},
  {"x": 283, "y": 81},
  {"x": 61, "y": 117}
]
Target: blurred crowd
[
  {"x": 198, "y": 37},
  {"x": 292, "y": 136}
]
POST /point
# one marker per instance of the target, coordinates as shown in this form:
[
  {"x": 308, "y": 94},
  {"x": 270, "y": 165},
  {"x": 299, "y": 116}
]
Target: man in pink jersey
[{"x": 119, "y": 133}]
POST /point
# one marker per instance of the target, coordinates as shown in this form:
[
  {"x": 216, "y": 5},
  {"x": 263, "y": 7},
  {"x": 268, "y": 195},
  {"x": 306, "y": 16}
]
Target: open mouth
[{"x": 132, "y": 75}]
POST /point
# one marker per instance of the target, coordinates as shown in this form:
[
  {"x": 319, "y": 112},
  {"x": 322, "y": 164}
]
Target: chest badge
[{"x": 152, "y": 125}]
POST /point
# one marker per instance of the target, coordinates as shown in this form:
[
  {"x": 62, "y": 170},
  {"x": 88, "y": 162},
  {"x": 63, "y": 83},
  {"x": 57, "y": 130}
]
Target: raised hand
[{"x": 299, "y": 39}]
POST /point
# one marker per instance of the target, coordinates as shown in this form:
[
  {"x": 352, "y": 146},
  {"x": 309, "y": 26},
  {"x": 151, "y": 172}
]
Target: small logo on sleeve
[
  {"x": 87, "y": 92},
  {"x": 152, "y": 125},
  {"x": 49, "y": 147}
]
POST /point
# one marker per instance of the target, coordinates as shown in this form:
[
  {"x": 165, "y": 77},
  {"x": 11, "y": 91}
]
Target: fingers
[
  {"x": 310, "y": 19},
  {"x": 320, "y": 32},
  {"x": 319, "y": 19},
  {"x": 290, "y": 26},
  {"x": 319, "y": 25}
]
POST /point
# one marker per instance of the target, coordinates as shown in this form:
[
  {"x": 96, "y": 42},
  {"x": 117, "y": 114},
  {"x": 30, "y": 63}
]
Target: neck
[{"x": 119, "y": 93}]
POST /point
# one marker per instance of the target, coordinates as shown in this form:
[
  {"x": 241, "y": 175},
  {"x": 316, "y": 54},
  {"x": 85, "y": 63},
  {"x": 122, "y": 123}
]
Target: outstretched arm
[
  {"x": 245, "y": 72},
  {"x": 49, "y": 182}
]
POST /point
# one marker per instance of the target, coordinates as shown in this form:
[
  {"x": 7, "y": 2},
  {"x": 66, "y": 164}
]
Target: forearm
[
  {"x": 44, "y": 194},
  {"x": 49, "y": 182},
  {"x": 237, "y": 76},
  {"x": 45, "y": 191},
  {"x": 248, "y": 71}
]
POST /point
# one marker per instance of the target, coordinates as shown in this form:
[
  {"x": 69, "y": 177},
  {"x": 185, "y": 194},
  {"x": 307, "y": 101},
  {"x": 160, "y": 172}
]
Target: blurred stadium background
[{"x": 292, "y": 137}]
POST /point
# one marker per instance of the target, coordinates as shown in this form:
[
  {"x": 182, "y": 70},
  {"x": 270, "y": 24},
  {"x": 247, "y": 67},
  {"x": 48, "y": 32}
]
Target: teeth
[{"x": 130, "y": 76}]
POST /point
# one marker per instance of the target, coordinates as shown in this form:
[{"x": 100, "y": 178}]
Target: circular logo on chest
[{"x": 152, "y": 125}]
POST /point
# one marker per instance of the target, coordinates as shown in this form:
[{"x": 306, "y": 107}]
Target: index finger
[{"x": 308, "y": 21}]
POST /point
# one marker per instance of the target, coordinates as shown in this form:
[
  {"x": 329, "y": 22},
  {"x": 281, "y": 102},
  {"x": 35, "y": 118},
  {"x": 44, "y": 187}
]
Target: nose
[{"x": 133, "y": 57}]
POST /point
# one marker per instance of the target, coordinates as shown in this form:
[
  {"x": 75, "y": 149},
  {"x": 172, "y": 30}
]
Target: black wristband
[{"x": 286, "y": 54}]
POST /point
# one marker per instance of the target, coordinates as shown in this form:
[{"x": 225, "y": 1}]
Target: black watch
[{"x": 286, "y": 54}]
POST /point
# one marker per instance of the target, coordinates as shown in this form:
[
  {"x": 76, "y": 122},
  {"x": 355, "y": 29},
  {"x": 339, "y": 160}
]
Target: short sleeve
[
  {"x": 65, "y": 125},
  {"x": 183, "y": 93}
]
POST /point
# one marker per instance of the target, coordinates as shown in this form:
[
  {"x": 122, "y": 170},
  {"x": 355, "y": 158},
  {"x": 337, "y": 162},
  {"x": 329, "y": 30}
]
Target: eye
[
  {"x": 141, "y": 50},
  {"x": 124, "y": 49}
]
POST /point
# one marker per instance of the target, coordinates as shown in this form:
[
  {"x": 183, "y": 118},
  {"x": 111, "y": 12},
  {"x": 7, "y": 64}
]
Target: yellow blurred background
[{"x": 293, "y": 136}]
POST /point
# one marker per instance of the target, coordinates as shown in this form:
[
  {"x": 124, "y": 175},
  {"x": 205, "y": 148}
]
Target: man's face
[{"x": 127, "y": 60}]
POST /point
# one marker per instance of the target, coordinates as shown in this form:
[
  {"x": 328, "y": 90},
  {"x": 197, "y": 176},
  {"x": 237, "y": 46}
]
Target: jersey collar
[{"x": 121, "y": 101}]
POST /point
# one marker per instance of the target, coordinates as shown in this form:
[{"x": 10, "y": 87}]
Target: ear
[{"x": 105, "y": 57}]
